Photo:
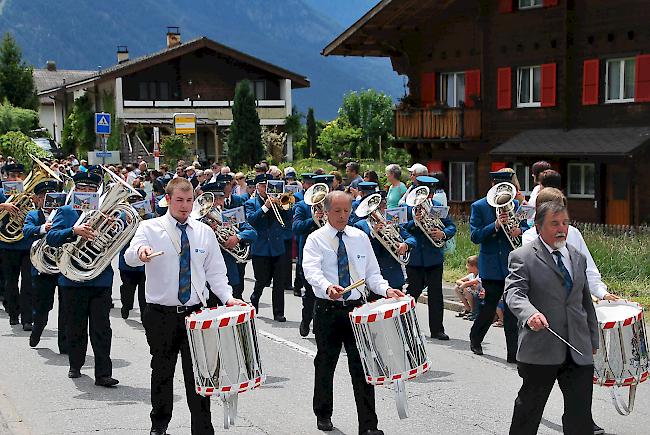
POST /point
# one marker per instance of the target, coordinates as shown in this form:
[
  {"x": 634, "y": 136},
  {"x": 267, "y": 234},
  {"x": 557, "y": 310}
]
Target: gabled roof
[
  {"x": 146, "y": 61},
  {"x": 46, "y": 79}
]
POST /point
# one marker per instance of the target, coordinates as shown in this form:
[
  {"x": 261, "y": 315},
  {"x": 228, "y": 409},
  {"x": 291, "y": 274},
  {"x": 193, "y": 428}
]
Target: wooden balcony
[{"x": 437, "y": 124}]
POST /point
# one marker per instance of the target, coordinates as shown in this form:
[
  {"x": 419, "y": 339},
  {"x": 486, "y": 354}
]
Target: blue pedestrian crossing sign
[{"x": 102, "y": 123}]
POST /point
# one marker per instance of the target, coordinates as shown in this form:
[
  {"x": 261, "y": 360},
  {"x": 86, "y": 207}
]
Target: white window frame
[
  {"x": 451, "y": 178},
  {"x": 455, "y": 75},
  {"x": 532, "y": 83},
  {"x": 581, "y": 167},
  {"x": 526, "y": 188},
  {"x": 540, "y": 4},
  {"x": 621, "y": 86}
]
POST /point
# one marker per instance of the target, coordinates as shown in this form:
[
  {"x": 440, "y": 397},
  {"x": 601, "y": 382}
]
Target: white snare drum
[
  {"x": 225, "y": 356},
  {"x": 390, "y": 343},
  {"x": 622, "y": 357}
]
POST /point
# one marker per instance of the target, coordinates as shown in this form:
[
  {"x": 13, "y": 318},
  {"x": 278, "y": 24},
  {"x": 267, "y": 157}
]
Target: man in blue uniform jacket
[
  {"x": 268, "y": 249},
  {"x": 16, "y": 263},
  {"x": 299, "y": 280},
  {"x": 427, "y": 261},
  {"x": 37, "y": 223},
  {"x": 485, "y": 230},
  {"x": 89, "y": 302},
  {"x": 365, "y": 188}
]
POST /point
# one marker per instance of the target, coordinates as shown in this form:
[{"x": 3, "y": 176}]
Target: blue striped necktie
[
  {"x": 185, "y": 271},
  {"x": 568, "y": 282},
  {"x": 343, "y": 265}
]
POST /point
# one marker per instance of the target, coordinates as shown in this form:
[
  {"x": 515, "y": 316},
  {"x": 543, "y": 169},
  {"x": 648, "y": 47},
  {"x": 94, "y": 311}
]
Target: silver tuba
[
  {"x": 389, "y": 235},
  {"x": 502, "y": 197},
  {"x": 206, "y": 211},
  {"x": 315, "y": 197},
  {"x": 418, "y": 198},
  {"x": 114, "y": 224}
]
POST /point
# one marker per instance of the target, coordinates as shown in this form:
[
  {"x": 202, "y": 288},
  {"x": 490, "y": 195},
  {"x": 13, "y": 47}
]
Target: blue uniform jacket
[
  {"x": 353, "y": 216},
  {"x": 236, "y": 201},
  {"x": 247, "y": 234},
  {"x": 23, "y": 244},
  {"x": 299, "y": 196},
  {"x": 495, "y": 248},
  {"x": 60, "y": 234},
  {"x": 425, "y": 254},
  {"x": 303, "y": 225},
  {"x": 390, "y": 268},
  {"x": 270, "y": 234},
  {"x": 32, "y": 229},
  {"x": 160, "y": 211}
]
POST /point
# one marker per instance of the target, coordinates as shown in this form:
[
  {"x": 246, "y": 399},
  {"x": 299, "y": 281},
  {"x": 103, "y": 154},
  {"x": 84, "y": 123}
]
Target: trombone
[{"x": 275, "y": 200}]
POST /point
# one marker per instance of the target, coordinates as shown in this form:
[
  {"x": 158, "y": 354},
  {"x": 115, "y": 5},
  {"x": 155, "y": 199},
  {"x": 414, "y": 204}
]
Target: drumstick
[
  {"x": 353, "y": 286},
  {"x": 564, "y": 341},
  {"x": 155, "y": 254}
]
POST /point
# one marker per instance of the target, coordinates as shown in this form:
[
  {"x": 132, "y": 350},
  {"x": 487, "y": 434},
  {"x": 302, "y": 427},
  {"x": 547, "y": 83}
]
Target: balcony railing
[
  {"x": 196, "y": 103},
  {"x": 437, "y": 123}
]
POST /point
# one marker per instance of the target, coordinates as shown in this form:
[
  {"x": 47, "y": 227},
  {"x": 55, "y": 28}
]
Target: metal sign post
[{"x": 156, "y": 147}]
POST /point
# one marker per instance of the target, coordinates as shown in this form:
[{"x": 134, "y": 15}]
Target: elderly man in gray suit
[{"x": 547, "y": 287}]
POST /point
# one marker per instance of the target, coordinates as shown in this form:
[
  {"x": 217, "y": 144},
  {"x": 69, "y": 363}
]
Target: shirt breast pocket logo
[{"x": 199, "y": 251}]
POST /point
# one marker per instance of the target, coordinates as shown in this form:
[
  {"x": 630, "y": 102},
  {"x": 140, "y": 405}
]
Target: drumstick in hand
[
  {"x": 354, "y": 285},
  {"x": 155, "y": 254}
]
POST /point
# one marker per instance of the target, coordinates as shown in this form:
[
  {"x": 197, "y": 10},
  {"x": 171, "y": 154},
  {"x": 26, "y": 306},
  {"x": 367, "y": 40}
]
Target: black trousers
[
  {"x": 299, "y": 279},
  {"x": 493, "y": 292},
  {"x": 431, "y": 277},
  {"x": 167, "y": 337},
  {"x": 132, "y": 279},
  {"x": 576, "y": 384},
  {"x": 88, "y": 310},
  {"x": 238, "y": 290},
  {"x": 16, "y": 263},
  {"x": 332, "y": 329},
  {"x": 43, "y": 287},
  {"x": 287, "y": 260},
  {"x": 269, "y": 269},
  {"x": 308, "y": 297}
]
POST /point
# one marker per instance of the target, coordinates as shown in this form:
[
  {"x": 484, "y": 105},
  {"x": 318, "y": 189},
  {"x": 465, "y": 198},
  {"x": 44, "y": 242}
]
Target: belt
[
  {"x": 178, "y": 309},
  {"x": 342, "y": 304}
]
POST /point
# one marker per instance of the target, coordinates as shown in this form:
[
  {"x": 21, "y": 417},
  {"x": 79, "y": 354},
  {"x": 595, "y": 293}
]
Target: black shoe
[
  {"x": 476, "y": 348},
  {"x": 74, "y": 373},
  {"x": 324, "y": 424},
  {"x": 372, "y": 432},
  {"x": 304, "y": 329},
  {"x": 158, "y": 431},
  {"x": 106, "y": 381},
  {"x": 13, "y": 320},
  {"x": 27, "y": 327},
  {"x": 125, "y": 313},
  {"x": 440, "y": 336},
  {"x": 280, "y": 319},
  {"x": 35, "y": 337},
  {"x": 597, "y": 429}
]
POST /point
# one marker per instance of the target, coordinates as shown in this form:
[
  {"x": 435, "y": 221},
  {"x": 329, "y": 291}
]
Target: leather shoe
[
  {"x": 372, "y": 432},
  {"x": 440, "y": 336},
  {"x": 280, "y": 319},
  {"x": 27, "y": 327},
  {"x": 324, "y": 424},
  {"x": 158, "y": 431},
  {"x": 34, "y": 337},
  {"x": 106, "y": 381},
  {"x": 13, "y": 320},
  {"x": 304, "y": 329},
  {"x": 124, "y": 312},
  {"x": 476, "y": 348},
  {"x": 74, "y": 373}
]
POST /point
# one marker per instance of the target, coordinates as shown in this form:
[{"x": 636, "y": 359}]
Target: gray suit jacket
[{"x": 535, "y": 284}]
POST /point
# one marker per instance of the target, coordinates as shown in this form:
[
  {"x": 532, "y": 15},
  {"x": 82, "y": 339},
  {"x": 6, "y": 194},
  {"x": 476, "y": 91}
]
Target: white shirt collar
[
  {"x": 332, "y": 232},
  {"x": 563, "y": 251},
  {"x": 172, "y": 220}
]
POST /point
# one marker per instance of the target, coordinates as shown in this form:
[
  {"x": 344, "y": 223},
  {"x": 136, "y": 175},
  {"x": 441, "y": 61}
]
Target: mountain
[{"x": 290, "y": 33}]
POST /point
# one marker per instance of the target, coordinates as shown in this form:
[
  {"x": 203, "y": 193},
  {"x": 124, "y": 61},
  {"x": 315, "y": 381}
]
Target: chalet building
[
  {"x": 197, "y": 76},
  {"x": 509, "y": 82}
]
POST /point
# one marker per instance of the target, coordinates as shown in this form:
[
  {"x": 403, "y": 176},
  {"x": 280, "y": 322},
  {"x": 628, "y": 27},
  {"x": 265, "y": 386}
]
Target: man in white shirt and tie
[
  {"x": 334, "y": 257},
  {"x": 175, "y": 287}
]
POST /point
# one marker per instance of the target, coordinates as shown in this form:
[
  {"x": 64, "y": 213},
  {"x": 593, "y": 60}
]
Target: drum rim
[
  {"x": 406, "y": 376},
  {"x": 626, "y": 382},
  {"x": 234, "y": 388},
  {"x": 621, "y": 322},
  {"x": 228, "y": 319},
  {"x": 388, "y": 314}
]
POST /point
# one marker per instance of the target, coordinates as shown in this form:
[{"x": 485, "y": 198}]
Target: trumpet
[
  {"x": 418, "y": 198},
  {"x": 315, "y": 197},
  {"x": 287, "y": 200}
]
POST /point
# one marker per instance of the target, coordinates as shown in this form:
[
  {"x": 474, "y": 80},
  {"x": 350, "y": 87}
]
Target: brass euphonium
[
  {"x": 315, "y": 197},
  {"x": 114, "y": 224},
  {"x": 11, "y": 225},
  {"x": 206, "y": 211},
  {"x": 389, "y": 235},
  {"x": 502, "y": 197},
  {"x": 418, "y": 198},
  {"x": 43, "y": 256}
]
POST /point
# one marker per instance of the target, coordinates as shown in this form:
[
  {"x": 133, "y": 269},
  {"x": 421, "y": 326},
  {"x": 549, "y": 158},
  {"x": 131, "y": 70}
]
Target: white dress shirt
[
  {"x": 596, "y": 285},
  {"x": 564, "y": 252},
  {"x": 207, "y": 263},
  {"x": 320, "y": 261}
]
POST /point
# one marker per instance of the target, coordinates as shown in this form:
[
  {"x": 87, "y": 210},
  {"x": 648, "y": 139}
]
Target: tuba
[
  {"x": 11, "y": 226},
  {"x": 114, "y": 223},
  {"x": 205, "y": 210},
  {"x": 315, "y": 197},
  {"x": 389, "y": 235},
  {"x": 502, "y": 197},
  {"x": 418, "y": 198}
]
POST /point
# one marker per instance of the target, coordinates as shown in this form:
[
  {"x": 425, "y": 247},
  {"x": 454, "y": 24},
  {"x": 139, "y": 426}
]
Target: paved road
[{"x": 463, "y": 394}]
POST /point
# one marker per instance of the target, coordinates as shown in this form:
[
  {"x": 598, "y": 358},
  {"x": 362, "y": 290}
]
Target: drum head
[
  {"x": 220, "y": 317},
  {"x": 608, "y": 312},
  {"x": 382, "y": 309}
]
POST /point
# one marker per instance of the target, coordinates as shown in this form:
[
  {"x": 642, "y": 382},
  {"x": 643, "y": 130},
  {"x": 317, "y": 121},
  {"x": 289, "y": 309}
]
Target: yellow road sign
[{"x": 185, "y": 123}]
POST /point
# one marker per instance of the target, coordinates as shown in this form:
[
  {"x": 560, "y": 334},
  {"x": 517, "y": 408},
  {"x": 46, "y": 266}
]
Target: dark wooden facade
[{"x": 570, "y": 40}]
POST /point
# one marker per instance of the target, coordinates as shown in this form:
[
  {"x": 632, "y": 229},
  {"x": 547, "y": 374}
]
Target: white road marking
[{"x": 290, "y": 344}]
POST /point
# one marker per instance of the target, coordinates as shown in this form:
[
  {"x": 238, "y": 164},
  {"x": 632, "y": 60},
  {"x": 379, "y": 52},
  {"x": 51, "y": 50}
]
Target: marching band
[{"x": 184, "y": 246}]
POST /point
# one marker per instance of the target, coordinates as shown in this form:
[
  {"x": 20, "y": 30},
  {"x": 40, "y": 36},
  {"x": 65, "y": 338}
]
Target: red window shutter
[
  {"x": 472, "y": 86},
  {"x": 497, "y": 166},
  {"x": 549, "y": 90},
  {"x": 504, "y": 88},
  {"x": 428, "y": 88},
  {"x": 434, "y": 166},
  {"x": 505, "y": 6},
  {"x": 642, "y": 78},
  {"x": 550, "y": 3},
  {"x": 590, "y": 82}
]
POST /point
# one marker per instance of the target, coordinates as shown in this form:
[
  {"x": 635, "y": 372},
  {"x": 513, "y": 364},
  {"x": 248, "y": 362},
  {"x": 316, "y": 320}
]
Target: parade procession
[{"x": 459, "y": 243}]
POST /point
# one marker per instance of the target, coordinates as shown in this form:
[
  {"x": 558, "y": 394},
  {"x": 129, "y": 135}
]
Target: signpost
[
  {"x": 103, "y": 129},
  {"x": 156, "y": 147},
  {"x": 185, "y": 123}
]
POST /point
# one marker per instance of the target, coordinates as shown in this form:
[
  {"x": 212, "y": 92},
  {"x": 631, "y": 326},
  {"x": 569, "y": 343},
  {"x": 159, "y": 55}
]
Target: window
[
  {"x": 529, "y": 86},
  {"x": 581, "y": 181},
  {"x": 452, "y": 88},
  {"x": 619, "y": 80},
  {"x": 462, "y": 181},
  {"x": 525, "y": 178},
  {"x": 153, "y": 91},
  {"x": 529, "y": 4},
  {"x": 258, "y": 88}
]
